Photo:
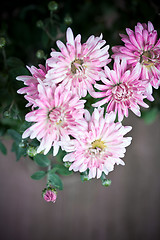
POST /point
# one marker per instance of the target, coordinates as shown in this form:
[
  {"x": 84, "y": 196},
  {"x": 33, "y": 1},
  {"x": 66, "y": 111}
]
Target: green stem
[
  {"x": 48, "y": 34},
  {"x": 4, "y": 58}
]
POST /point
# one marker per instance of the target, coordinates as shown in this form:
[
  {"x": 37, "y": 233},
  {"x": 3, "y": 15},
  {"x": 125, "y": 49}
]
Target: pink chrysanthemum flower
[
  {"x": 122, "y": 89},
  {"x": 77, "y": 65},
  {"x": 58, "y": 113},
  {"x": 32, "y": 83},
  {"x": 100, "y": 147},
  {"x": 142, "y": 46}
]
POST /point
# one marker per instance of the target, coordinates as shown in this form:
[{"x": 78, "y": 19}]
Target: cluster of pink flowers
[
  {"x": 142, "y": 48},
  {"x": 93, "y": 142}
]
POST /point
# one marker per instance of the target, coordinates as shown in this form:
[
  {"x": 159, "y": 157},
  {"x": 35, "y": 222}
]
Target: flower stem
[{"x": 4, "y": 58}]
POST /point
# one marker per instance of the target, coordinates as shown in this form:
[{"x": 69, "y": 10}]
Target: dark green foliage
[
  {"x": 3, "y": 148},
  {"x": 19, "y": 151},
  {"x": 15, "y": 135},
  {"x": 60, "y": 155},
  {"x": 60, "y": 169},
  {"x": 42, "y": 160},
  {"x": 38, "y": 175},
  {"x": 55, "y": 180},
  {"x": 150, "y": 116}
]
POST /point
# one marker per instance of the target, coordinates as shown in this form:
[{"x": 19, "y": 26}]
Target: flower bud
[
  {"x": 2, "y": 42},
  {"x": 53, "y": 6},
  {"x": 40, "y": 24},
  {"x": 6, "y": 114},
  {"x": 49, "y": 194},
  {"x": 40, "y": 54},
  {"x": 84, "y": 176},
  {"x": 68, "y": 20},
  {"x": 32, "y": 151},
  {"x": 23, "y": 144},
  {"x": 15, "y": 116},
  {"x": 67, "y": 164},
  {"x": 106, "y": 182}
]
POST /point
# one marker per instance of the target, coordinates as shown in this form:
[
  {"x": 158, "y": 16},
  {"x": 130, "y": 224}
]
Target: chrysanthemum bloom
[
  {"x": 77, "y": 65},
  {"x": 100, "y": 147},
  {"x": 58, "y": 113},
  {"x": 141, "y": 46},
  {"x": 122, "y": 89},
  {"x": 32, "y": 83},
  {"x": 49, "y": 195}
]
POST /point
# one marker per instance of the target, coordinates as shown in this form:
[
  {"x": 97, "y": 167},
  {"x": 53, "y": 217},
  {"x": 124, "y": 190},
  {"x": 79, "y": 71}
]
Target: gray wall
[{"x": 128, "y": 209}]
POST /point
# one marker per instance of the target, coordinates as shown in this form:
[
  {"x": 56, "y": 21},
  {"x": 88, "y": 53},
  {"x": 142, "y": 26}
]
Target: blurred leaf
[
  {"x": 13, "y": 62},
  {"x": 60, "y": 169},
  {"x": 38, "y": 175},
  {"x": 11, "y": 123},
  {"x": 28, "y": 9},
  {"x": 150, "y": 115},
  {"x": 34, "y": 143},
  {"x": 4, "y": 78},
  {"x": 24, "y": 126},
  {"x": 3, "y": 148},
  {"x": 18, "y": 151},
  {"x": 55, "y": 180},
  {"x": 60, "y": 155},
  {"x": 17, "y": 71},
  {"x": 2, "y": 130},
  {"x": 15, "y": 135},
  {"x": 42, "y": 160}
]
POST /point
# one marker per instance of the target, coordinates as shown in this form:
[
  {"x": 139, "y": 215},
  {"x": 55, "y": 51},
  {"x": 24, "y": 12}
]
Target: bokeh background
[{"x": 127, "y": 210}]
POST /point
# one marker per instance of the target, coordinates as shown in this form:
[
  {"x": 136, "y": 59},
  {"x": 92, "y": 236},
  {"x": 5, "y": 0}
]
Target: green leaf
[
  {"x": 13, "y": 62},
  {"x": 2, "y": 130},
  {"x": 150, "y": 115},
  {"x": 42, "y": 160},
  {"x": 38, "y": 175},
  {"x": 17, "y": 71},
  {"x": 61, "y": 169},
  {"x": 3, "y": 148},
  {"x": 24, "y": 126},
  {"x": 60, "y": 155},
  {"x": 15, "y": 135},
  {"x": 55, "y": 180},
  {"x": 9, "y": 122},
  {"x": 18, "y": 151}
]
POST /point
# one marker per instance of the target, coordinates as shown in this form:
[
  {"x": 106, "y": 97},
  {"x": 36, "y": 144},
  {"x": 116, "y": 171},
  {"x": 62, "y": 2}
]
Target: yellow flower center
[
  {"x": 59, "y": 122},
  {"x": 76, "y": 65},
  {"x": 147, "y": 59},
  {"x": 98, "y": 144}
]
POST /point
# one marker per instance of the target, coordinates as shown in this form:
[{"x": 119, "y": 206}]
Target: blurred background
[{"x": 127, "y": 210}]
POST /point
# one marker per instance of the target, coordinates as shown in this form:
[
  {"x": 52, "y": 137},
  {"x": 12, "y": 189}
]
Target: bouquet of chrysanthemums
[{"x": 91, "y": 138}]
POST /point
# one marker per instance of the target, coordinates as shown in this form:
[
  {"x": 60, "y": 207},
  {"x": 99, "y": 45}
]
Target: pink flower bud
[{"x": 49, "y": 194}]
